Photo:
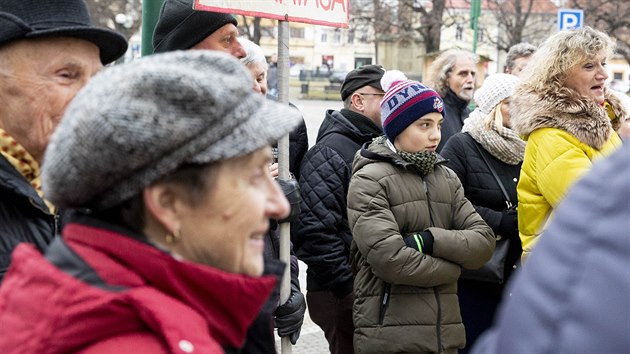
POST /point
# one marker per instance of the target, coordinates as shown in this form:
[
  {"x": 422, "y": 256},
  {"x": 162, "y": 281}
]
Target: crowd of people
[{"x": 141, "y": 202}]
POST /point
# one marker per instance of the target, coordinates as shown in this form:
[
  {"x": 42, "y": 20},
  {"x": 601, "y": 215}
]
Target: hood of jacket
[
  {"x": 336, "y": 123},
  {"x": 378, "y": 151},
  {"x": 566, "y": 110},
  {"x": 59, "y": 308}
]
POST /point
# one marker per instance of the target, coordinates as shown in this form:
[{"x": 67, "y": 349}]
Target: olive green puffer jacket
[{"x": 406, "y": 301}]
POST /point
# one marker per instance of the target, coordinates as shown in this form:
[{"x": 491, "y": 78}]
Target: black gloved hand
[
  {"x": 291, "y": 190},
  {"x": 508, "y": 227},
  {"x": 420, "y": 241},
  {"x": 289, "y": 317}
]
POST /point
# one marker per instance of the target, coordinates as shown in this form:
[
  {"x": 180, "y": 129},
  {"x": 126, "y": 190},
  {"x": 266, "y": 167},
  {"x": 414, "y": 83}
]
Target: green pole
[
  {"x": 150, "y": 14},
  {"x": 475, "y": 11}
]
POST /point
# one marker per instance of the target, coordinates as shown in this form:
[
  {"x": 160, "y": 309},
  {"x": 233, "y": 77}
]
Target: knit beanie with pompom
[
  {"x": 405, "y": 101},
  {"x": 495, "y": 89}
]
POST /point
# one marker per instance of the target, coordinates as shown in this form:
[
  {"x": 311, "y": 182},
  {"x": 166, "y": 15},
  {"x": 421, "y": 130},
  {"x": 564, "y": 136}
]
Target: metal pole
[
  {"x": 150, "y": 15},
  {"x": 283, "y": 167},
  {"x": 475, "y": 11}
]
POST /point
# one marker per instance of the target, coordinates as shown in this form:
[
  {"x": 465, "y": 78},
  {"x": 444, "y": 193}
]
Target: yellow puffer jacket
[{"x": 565, "y": 133}]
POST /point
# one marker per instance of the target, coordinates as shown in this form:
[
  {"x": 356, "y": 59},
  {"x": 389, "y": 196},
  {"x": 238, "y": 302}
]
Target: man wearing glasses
[{"x": 322, "y": 237}]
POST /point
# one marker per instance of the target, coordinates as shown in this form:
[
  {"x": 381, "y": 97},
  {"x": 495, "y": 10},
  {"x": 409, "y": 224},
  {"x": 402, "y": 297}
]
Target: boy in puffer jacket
[{"x": 413, "y": 230}]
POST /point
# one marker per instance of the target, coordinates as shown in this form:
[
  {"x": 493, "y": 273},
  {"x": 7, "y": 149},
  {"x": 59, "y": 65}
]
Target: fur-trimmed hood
[{"x": 564, "y": 109}]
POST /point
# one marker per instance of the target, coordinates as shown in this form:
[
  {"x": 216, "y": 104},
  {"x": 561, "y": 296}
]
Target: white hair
[{"x": 253, "y": 53}]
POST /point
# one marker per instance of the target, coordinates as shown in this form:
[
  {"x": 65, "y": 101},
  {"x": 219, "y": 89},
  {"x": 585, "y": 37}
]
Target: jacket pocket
[{"x": 387, "y": 292}]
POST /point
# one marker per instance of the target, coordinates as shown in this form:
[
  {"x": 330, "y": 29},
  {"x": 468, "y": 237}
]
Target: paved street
[
  {"x": 313, "y": 112},
  {"x": 312, "y": 339}
]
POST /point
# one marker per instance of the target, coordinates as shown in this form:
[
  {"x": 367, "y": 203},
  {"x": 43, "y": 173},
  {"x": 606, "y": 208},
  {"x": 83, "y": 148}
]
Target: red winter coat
[{"x": 99, "y": 291}]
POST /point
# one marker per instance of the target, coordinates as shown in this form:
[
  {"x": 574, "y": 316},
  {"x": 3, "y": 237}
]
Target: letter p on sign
[{"x": 569, "y": 19}]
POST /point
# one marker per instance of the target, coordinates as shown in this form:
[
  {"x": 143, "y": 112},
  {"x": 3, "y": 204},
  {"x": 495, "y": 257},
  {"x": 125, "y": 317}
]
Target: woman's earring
[{"x": 172, "y": 237}]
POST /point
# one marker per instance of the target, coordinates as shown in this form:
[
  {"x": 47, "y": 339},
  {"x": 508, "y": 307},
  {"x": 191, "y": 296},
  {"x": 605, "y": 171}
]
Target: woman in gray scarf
[{"x": 487, "y": 140}]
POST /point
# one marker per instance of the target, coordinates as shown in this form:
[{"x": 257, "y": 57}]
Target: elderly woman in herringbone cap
[{"x": 166, "y": 161}]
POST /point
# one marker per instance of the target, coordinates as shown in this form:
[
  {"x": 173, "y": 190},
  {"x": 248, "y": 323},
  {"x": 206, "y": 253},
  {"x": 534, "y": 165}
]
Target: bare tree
[
  {"x": 373, "y": 17},
  {"x": 124, "y": 16},
  {"x": 431, "y": 21},
  {"x": 250, "y": 26},
  {"x": 611, "y": 17},
  {"x": 520, "y": 21}
]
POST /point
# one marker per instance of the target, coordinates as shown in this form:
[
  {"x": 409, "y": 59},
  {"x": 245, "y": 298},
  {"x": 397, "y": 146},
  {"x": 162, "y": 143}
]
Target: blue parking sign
[{"x": 570, "y": 19}]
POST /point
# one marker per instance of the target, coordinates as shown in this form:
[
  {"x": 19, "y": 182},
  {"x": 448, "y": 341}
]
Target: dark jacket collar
[
  {"x": 338, "y": 122},
  {"x": 12, "y": 180},
  {"x": 361, "y": 122},
  {"x": 453, "y": 101}
]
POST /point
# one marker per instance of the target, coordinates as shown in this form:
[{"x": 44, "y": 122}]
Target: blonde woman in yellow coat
[{"x": 562, "y": 110}]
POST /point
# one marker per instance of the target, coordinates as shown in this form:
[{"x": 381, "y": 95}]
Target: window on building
[
  {"x": 459, "y": 32},
  {"x": 337, "y": 36},
  {"x": 268, "y": 31},
  {"x": 296, "y": 32},
  {"x": 324, "y": 37},
  {"x": 617, "y": 76},
  {"x": 350, "y": 36},
  {"x": 363, "y": 38}
]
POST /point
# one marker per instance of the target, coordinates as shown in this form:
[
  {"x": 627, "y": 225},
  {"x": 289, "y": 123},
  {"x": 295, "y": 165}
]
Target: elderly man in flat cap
[
  {"x": 48, "y": 51},
  {"x": 322, "y": 239}
]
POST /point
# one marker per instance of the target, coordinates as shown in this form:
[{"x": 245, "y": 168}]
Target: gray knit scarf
[{"x": 488, "y": 130}]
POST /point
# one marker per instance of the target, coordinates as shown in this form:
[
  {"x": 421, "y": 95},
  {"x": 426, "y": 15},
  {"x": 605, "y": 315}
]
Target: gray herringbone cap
[{"x": 135, "y": 123}]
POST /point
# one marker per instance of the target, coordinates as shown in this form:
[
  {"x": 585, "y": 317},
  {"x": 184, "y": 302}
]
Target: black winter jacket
[
  {"x": 482, "y": 190},
  {"x": 24, "y": 216},
  {"x": 298, "y": 145},
  {"x": 322, "y": 237},
  {"x": 455, "y": 111},
  {"x": 260, "y": 338}
]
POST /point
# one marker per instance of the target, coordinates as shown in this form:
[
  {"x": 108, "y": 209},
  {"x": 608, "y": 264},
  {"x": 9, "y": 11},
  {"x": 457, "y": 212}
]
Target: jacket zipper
[
  {"x": 55, "y": 217},
  {"x": 426, "y": 191},
  {"x": 438, "y": 324},
  {"x": 57, "y": 228},
  {"x": 387, "y": 292}
]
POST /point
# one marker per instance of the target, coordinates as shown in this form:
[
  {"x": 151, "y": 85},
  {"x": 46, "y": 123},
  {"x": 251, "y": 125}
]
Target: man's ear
[
  {"x": 162, "y": 205},
  {"x": 357, "y": 102}
]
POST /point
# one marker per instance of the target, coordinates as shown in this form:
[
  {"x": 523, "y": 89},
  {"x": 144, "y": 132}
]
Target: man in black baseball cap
[
  {"x": 322, "y": 239},
  {"x": 180, "y": 27},
  {"x": 48, "y": 52},
  {"x": 367, "y": 75}
]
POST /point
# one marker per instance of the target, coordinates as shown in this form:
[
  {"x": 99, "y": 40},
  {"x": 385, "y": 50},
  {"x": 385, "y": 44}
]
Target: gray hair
[
  {"x": 442, "y": 67},
  {"x": 520, "y": 50},
  {"x": 253, "y": 53}
]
